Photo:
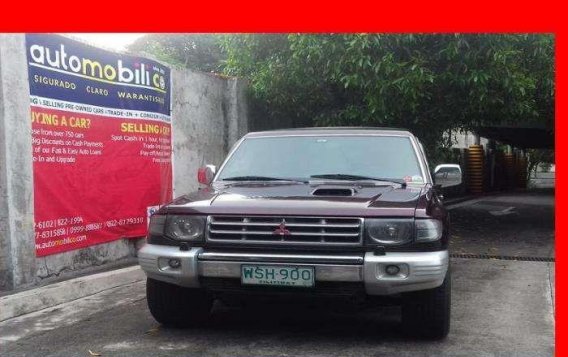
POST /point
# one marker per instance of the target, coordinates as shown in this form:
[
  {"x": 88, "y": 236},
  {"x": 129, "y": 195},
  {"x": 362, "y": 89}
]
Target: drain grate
[{"x": 501, "y": 257}]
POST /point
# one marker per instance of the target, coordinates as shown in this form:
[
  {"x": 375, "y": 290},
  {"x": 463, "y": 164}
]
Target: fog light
[
  {"x": 174, "y": 263},
  {"x": 392, "y": 269}
]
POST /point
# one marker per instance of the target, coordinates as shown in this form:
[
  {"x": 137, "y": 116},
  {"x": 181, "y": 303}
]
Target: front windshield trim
[{"x": 413, "y": 141}]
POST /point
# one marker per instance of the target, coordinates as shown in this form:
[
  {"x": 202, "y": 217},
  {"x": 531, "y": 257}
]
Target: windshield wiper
[
  {"x": 258, "y": 178},
  {"x": 348, "y": 177}
]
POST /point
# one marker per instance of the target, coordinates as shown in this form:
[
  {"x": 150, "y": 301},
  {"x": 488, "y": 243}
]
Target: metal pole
[{"x": 492, "y": 148}]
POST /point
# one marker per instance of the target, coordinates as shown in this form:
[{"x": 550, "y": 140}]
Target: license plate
[{"x": 277, "y": 275}]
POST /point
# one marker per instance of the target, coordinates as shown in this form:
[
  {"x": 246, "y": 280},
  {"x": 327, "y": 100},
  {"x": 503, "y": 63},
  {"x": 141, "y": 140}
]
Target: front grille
[{"x": 285, "y": 230}]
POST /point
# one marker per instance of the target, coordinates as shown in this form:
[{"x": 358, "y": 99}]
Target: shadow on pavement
[{"x": 301, "y": 322}]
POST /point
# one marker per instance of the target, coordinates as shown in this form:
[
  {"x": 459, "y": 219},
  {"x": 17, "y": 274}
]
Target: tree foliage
[
  {"x": 536, "y": 157},
  {"x": 200, "y": 52},
  {"x": 426, "y": 83}
]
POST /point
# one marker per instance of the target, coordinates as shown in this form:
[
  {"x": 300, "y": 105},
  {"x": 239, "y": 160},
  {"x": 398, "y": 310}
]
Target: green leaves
[{"x": 426, "y": 83}]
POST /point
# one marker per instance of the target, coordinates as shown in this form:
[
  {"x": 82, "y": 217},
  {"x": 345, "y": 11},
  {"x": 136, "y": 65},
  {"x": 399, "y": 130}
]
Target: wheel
[
  {"x": 176, "y": 306},
  {"x": 426, "y": 313}
]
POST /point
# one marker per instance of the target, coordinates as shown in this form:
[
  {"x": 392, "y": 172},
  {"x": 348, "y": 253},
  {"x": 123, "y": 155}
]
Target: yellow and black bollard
[{"x": 475, "y": 168}]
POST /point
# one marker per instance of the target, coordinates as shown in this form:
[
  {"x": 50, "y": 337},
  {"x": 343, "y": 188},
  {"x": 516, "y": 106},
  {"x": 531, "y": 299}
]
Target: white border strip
[{"x": 57, "y": 104}]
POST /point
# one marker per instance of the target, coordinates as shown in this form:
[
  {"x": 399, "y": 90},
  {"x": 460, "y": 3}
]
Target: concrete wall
[
  {"x": 463, "y": 140},
  {"x": 237, "y": 110},
  {"x": 17, "y": 245},
  {"x": 209, "y": 113}
]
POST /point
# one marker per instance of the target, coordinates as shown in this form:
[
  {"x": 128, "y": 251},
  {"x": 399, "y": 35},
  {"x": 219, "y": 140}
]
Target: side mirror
[
  {"x": 448, "y": 175},
  {"x": 205, "y": 174}
]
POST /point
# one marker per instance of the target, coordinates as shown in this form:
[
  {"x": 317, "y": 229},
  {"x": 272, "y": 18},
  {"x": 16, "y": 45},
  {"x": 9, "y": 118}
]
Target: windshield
[{"x": 301, "y": 157}]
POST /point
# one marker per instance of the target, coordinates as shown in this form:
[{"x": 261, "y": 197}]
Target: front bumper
[{"x": 418, "y": 270}]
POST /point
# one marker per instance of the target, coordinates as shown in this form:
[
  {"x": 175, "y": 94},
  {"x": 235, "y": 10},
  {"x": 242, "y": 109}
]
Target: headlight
[
  {"x": 389, "y": 231},
  {"x": 185, "y": 227},
  {"x": 428, "y": 230}
]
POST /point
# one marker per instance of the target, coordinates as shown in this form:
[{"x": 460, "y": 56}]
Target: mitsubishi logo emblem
[{"x": 282, "y": 230}]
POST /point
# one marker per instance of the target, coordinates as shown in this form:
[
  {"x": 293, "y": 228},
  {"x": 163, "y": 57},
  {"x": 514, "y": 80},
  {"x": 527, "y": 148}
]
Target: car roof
[{"x": 330, "y": 131}]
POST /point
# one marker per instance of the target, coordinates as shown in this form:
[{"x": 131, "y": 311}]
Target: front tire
[
  {"x": 176, "y": 306},
  {"x": 426, "y": 313}
]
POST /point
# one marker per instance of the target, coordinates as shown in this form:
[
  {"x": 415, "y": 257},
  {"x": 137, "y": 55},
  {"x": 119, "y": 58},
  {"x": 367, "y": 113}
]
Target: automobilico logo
[{"x": 59, "y": 59}]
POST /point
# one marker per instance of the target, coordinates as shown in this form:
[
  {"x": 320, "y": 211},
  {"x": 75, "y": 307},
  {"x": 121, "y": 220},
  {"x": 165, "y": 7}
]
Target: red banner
[
  {"x": 95, "y": 178},
  {"x": 101, "y": 166}
]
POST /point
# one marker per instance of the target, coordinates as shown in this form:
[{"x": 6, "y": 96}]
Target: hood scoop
[{"x": 334, "y": 191}]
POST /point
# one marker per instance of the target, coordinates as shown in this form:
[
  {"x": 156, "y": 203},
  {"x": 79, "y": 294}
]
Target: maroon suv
[{"x": 324, "y": 212}]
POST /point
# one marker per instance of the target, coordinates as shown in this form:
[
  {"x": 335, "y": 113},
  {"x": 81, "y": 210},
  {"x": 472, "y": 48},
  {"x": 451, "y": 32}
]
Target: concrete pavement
[
  {"x": 494, "y": 313},
  {"x": 43, "y": 297}
]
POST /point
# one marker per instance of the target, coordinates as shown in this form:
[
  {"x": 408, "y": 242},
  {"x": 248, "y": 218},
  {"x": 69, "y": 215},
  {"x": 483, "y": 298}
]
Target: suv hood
[{"x": 299, "y": 199}]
